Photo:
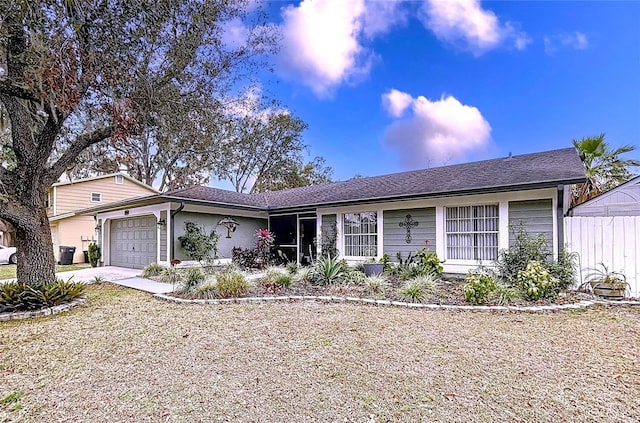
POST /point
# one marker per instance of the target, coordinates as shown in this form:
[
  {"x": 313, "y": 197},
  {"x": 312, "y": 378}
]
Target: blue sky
[{"x": 392, "y": 86}]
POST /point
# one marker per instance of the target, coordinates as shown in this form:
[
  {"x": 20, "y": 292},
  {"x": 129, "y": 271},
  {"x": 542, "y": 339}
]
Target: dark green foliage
[
  {"x": 327, "y": 270},
  {"x": 192, "y": 277},
  {"x": 93, "y": 250},
  {"x": 423, "y": 263},
  {"x": 244, "y": 258},
  {"x": 564, "y": 270},
  {"x": 525, "y": 249},
  {"x": 197, "y": 244},
  {"x": 479, "y": 287},
  {"x": 15, "y": 296}
]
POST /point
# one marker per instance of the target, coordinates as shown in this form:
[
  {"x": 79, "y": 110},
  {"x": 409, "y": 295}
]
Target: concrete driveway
[{"x": 117, "y": 275}]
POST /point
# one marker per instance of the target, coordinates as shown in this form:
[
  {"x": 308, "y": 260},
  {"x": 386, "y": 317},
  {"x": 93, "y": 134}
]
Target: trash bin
[
  {"x": 86, "y": 256},
  {"x": 66, "y": 254}
]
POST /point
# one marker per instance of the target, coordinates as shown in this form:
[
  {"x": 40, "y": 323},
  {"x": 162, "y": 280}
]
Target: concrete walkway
[{"x": 117, "y": 275}]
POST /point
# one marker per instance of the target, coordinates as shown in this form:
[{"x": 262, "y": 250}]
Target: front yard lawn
[
  {"x": 126, "y": 356},
  {"x": 9, "y": 271}
]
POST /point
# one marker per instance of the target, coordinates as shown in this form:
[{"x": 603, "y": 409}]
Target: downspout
[
  {"x": 560, "y": 214},
  {"x": 172, "y": 216}
]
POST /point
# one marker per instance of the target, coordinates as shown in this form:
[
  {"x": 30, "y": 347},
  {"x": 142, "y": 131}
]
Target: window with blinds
[
  {"x": 360, "y": 234},
  {"x": 472, "y": 232}
]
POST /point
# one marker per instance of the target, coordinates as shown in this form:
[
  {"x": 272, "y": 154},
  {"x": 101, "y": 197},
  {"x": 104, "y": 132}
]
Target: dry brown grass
[{"x": 126, "y": 357}]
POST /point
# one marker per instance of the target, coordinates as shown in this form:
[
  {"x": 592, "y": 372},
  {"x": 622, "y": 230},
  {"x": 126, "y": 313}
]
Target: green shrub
[
  {"x": 376, "y": 284},
  {"x": 536, "y": 282},
  {"x": 564, "y": 270},
  {"x": 292, "y": 268},
  {"x": 15, "y": 296},
  {"x": 429, "y": 261},
  {"x": 276, "y": 278},
  {"x": 244, "y": 258},
  {"x": 192, "y": 277},
  {"x": 417, "y": 289},
  {"x": 93, "y": 251},
  {"x": 327, "y": 270},
  {"x": 206, "y": 290},
  {"x": 479, "y": 287},
  {"x": 353, "y": 277},
  {"x": 153, "y": 269},
  {"x": 197, "y": 244},
  {"x": 423, "y": 263},
  {"x": 171, "y": 275},
  {"x": 231, "y": 284},
  {"x": 524, "y": 250},
  {"x": 302, "y": 275},
  {"x": 505, "y": 295}
]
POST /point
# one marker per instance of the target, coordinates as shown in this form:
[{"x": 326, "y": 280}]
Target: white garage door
[{"x": 133, "y": 242}]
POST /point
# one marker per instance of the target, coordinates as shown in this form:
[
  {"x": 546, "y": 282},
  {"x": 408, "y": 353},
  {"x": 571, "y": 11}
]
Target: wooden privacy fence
[{"x": 614, "y": 241}]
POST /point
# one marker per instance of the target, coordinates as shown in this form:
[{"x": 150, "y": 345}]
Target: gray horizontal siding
[
  {"x": 395, "y": 235},
  {"x": 536, "y": 215},
  {"x": 243, "y": 237}
]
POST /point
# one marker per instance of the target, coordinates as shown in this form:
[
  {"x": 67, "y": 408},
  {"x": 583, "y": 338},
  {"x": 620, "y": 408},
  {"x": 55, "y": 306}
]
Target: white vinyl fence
[{"x": 614, "y": 241}]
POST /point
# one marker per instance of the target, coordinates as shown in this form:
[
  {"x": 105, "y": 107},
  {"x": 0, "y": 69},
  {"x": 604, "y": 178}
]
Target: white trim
[
  {"x": 503, "y": 224},
  {"x": 554, "y": 214},
  {"x": 55, "y": 201},
  {"x": 119, "y": 179}
]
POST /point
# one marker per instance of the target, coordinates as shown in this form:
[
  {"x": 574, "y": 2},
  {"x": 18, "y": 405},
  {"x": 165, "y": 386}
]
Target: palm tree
[{"x": 605, "y": 169}]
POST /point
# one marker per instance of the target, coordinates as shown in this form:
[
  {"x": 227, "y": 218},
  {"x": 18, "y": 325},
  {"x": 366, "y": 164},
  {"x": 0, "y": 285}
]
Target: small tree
[
  {"x": 197, "y": 244},
  {"x": 94, "y": 253}
]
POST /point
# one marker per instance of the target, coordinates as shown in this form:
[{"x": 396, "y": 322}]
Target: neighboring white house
[{"x": 606, "y": 229}]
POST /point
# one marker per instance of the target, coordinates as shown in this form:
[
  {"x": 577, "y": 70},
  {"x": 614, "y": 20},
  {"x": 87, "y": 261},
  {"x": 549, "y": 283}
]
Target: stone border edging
[
  {"x": 502, "y": 309},
  {"x": 49, "y": 311}
]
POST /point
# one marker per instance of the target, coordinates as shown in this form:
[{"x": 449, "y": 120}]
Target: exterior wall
[
  {"x": 243, "y": 237},
  {"x": 614, "y": 241},
  {"x": 422, "y": 236},
  {"x": 75, "y": 231},
  {"x": 440, "y": 205},
  {"x": 535, "y": 215},
  {"x": 77, "y": 196}
]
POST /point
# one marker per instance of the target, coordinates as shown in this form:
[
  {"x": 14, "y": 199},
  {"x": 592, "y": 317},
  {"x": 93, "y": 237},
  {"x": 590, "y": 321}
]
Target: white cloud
[
  {"x": 433, "y": 132},
  {"x": 380, "y": 16},
  {"x": 577, "y": 40},
  {"x": 323, "y": 40},
  {"x": 464, "y": 23},
  {"x": 396, "y": 102}
]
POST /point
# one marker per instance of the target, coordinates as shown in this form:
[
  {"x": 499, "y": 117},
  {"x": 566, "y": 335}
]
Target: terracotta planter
[
  {"x": 371, "y": 269},
  {"x": 609, "y": 291}
]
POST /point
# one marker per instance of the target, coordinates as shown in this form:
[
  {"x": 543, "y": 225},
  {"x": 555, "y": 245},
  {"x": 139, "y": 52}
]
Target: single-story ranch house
[{"x": 462, "y": 212}]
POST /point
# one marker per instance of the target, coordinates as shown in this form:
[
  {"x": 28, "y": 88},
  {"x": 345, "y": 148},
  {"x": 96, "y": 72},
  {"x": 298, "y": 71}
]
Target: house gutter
[{"x": 171, "y": 224}]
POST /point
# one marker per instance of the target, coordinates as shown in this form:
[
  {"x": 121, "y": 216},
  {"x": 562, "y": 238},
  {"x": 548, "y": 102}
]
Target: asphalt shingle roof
[{"x": 536, "y": 170}]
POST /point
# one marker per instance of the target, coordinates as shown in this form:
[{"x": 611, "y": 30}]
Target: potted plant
[
  {"x": 608, "y": 284},
  {"x": 372, "y": 267}
]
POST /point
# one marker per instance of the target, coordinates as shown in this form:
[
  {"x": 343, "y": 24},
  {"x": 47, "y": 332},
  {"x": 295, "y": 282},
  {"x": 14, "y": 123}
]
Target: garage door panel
[{"x": 133, "y": 242}]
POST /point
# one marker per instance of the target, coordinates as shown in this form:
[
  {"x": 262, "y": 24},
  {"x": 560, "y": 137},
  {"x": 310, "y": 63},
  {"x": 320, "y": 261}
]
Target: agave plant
[{"x": 328, "y": 270}]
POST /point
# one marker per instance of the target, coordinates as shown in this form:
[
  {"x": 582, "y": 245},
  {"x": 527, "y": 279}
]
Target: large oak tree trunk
[{"x": 36, "y": 263}]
